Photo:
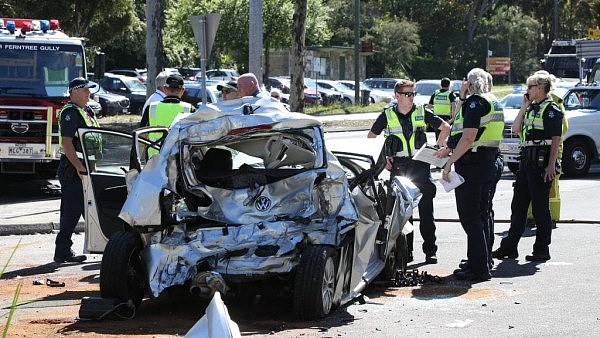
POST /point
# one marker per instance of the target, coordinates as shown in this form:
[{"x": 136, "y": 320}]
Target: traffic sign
[
  {"x": 498, "y": 65},
  {"x": 593, "y": 33}
]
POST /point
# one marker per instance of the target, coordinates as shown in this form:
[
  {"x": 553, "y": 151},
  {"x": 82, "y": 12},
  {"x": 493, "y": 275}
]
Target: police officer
[
  {"x": 167, "y": 111},
  {"x": 539, "y": 125},
  {"x": 159, "y": 93},
  {"x": 444, "y": 102},
  {"x": 405, "y": 124},
  {"x": 75, "y": 114},
  {"x": 474, "y": 142}
]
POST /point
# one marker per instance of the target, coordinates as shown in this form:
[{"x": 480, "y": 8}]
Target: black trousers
[
  {"x": 530, "y": 187},
  {"x": 472, "y": 204},
  {"x": 420, "y": 174},
  {"x": 71, "y": 207},
  {"x": 489, "y": 221}
]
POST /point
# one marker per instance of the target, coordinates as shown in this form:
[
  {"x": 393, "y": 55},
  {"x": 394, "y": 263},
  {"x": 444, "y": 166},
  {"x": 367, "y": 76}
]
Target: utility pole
[{"x": 255, "y": 39}]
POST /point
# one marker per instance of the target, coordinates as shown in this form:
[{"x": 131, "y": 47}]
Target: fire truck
[{"x": 37, "y": 61}]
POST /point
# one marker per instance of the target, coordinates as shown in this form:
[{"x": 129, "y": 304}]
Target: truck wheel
[
  {"x": 577, "y": 158},
  {"x": 513, "y": 167},
  {"x": 314, "y": 284},
  {"x": 122, "y": 273}
]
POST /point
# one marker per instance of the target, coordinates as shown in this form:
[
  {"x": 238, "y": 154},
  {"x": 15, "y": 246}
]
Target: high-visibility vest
[
  {"x": 534, "y": 120},
  {"x": 441, "y": 102},
  {"x": 492, "y": 125},
  {"x": 89, "y": 121},
  {"x": 394, "y": 127},
  {"x": 163, "y": 113}
]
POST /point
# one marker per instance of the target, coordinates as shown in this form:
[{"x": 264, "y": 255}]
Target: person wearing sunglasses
[
  {"x": 404, "y": 125},
  {"x": 539, "y": 124},
  {"x": 229, "y": 90},
  {"x": 474, "y": 142}
]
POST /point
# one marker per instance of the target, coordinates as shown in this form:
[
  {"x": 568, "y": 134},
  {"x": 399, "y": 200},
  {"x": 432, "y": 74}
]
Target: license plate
[{"x": 20, "y": 151}]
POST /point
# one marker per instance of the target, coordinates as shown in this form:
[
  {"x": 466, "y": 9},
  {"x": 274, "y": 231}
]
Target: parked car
[
  {"x": 329, "y": 96},
  {"x": 348, "y": 96},
  {"x": 127, "y": 86},
  {"x": 581, "y": 143},
  {"x": 375, "y": 95},
  {"x": 193, "y": 92},
  {"x": 242, "y": 204},
  {"x": 140, "y": 74},
  {"x": 311, "y": 96},
  {"x": 219, "y": 74},
  {"x": 424, "y": 90},
  {"x": 112, "y": 104},
  {"x": 383, "y": 84}
]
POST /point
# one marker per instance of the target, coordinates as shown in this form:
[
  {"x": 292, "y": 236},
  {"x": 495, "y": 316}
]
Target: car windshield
[
  {"x": 134, "y": 84},
  {"x": 39, "y": 70},
  {"x": 512, "y": 101},
  {"x": 582, "y": 98},
  {"x": 426, "y": 88}
]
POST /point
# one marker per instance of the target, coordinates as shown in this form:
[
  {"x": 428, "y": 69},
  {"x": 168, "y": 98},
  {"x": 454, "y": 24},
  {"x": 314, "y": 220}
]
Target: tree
[
  {"x": 298, "y": 49},
  {"x": 398, "y": 42},
  {"x": 509, "y": 25}
]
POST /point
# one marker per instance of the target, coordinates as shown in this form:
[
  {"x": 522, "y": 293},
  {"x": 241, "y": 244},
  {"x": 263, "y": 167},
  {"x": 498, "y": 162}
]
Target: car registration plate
[{"x": 20, "y": 151}]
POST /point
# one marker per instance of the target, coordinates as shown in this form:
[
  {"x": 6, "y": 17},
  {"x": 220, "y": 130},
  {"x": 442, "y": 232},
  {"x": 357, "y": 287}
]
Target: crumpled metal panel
[
  {"x": 174, "y": 259},
  {"x": 290, "y": 196}
]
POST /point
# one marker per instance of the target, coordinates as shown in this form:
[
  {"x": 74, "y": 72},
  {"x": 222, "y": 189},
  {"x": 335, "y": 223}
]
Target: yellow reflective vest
[
  {"x": 441, "y": 103},
  {"x": 89, "y": 121},
  {"x": 492, "y": 125},
  {"x": 395, "y": 128},
  {"x": 163, "y": 113}
]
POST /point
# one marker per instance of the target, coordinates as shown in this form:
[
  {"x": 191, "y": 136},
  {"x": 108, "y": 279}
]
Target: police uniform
[
  {"x": 162, "y": 113},
  {"x": 541, "y": 122},
  {"x": 71, "y": 118},
  {"x": 405, "y": 133},
  {"x": 442, "y": 100},
  {"x": 477, "y": 166}
]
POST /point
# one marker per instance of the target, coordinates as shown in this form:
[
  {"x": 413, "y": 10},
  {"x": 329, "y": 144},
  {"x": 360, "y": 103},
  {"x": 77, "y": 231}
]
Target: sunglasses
[{"x": 407, "y": 94}]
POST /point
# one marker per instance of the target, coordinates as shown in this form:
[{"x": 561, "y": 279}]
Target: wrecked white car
[{"x": 241, "y": 198}]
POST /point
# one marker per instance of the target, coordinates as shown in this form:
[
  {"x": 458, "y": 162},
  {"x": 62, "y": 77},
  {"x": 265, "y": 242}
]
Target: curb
[{"x": 34, "y": 228}]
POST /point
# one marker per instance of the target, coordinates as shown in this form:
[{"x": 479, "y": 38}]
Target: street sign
[
  {"x": 587, "y": 48},
  {"x": 498, "y": 65},
  {"x": 205, "y": 33}
]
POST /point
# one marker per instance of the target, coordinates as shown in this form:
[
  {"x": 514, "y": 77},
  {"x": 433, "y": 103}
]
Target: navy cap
[
  {"x": 80, "y": 82},
  {"x": 174, "y": 81},
  {"x": 232, "y": 84}
]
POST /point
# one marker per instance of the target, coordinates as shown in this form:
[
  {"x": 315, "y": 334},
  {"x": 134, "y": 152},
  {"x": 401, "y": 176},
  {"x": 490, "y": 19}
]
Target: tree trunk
[
  {"x": 477, "y": 11},
  {"x": 298, "y": 48},
  {"x": 155, "y": 59}
]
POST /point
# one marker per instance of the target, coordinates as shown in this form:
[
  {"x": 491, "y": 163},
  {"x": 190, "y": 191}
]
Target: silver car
[{"x": 241, "y": 197}]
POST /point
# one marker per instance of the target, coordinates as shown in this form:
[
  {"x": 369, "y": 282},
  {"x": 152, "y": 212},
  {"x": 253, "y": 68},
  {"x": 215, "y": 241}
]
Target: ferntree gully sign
[{"x": 498, "y": 65}]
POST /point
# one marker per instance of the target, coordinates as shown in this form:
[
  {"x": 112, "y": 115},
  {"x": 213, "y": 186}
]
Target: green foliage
[{"x": 398, "y": 43}]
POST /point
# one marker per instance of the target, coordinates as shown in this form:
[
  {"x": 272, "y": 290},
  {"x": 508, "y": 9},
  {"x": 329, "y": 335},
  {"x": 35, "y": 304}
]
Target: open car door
[{"x": 109, "y": 155}]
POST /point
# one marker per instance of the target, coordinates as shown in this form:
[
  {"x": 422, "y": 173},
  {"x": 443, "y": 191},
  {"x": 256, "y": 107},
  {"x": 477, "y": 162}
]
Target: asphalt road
[{"x": 556, "y": 298}]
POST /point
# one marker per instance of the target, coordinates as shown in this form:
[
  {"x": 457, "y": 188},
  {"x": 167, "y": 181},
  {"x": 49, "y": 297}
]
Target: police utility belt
[
  {"x": 535, "y": 153},
  {"x": 481, "y": 154}
]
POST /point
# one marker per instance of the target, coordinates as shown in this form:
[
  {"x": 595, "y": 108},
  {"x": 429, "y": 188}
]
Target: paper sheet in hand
[
  {"x": 427, "y": 154},
  {"x": 455, "y": 181}
]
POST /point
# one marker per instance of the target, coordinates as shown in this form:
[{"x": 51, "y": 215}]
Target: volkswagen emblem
[
  {"x": 262, "y": 203},
  {"x": 19, "y": 128}
]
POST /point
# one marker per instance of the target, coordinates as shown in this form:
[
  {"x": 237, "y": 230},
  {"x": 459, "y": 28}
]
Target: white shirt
[{"x": 158, "y": 95}]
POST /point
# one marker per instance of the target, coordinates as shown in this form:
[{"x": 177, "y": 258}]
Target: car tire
[
  {"x": 314, "y": 285},
  {"x": 513, "y": 167},
  {"x": 122, "y": 273},
  {"x": 576, "y": 158},
  {"x": 346, "y": 101}
]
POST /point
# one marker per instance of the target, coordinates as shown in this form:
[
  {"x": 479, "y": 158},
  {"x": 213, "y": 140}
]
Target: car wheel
[
  {"x": 513, "y": 167},
  {"x": 577, "y": 158},
  {"x": 122, "y": 273},
  {"x": 314, "y": 286},
  {"x": 347, "y": 101},
  {"x": 372, "y": 100}
]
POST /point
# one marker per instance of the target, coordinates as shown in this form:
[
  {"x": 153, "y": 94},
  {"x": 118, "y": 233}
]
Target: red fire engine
[{"x": 37, "y": 61}]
